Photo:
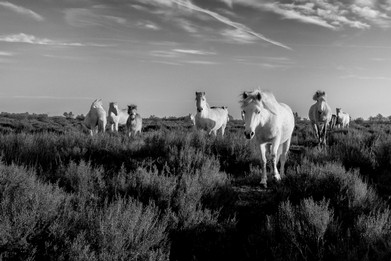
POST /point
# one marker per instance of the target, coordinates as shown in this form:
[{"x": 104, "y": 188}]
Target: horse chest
[{"x": 266, "y": 133}]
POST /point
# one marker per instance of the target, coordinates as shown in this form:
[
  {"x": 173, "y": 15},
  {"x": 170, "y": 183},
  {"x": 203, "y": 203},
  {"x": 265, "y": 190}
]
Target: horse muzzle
[{"x": 249, "y": 135}]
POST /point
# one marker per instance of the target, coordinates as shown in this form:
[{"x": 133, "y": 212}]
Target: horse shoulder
[{"x": 311, "y": 113}]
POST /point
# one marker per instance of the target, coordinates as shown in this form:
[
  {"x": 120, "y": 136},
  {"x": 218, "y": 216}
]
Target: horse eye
[{"x": 258, "y": 112}]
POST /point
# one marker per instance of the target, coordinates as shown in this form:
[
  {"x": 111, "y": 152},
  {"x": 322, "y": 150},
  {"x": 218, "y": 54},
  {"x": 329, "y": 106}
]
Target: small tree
[{"x": 69, "y": 115}]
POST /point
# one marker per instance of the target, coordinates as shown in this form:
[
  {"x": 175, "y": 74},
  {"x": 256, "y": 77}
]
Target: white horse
[
  {"x": 95, "y": 119},
  {"x": 320, "y": 116},
  {"x": 343, "y": 119},
  {"x": 116, "y": 116},
  {"x": 272, "y": 124},
  {"x": 333, "y": 122},
  {"x": 210, "y": 118},
  {"x": 192, "y": 118},
  {"x": 134, "y": 122}
]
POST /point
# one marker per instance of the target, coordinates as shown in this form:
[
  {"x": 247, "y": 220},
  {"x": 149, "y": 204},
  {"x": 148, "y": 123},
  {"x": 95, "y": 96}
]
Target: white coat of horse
[
  {"x": 272, "y": 124},
  {"x": 333, "y": 122},
  {"x": 95, "y": 119},
  {"x": 192, "y": 118},
  {"x": 320, "y": 116},
  {"x": 134, "y": 122},
  {"x": 116, "y": 116},
  {"x": 343, "y": 119},
  {"x": 209, "y": 118}
]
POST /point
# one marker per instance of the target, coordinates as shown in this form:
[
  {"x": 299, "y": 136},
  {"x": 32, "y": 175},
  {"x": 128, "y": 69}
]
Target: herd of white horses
[{"x": 266, "y": 119}]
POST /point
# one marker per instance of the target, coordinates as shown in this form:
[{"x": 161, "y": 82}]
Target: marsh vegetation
[{"x": 178, "y": 194}]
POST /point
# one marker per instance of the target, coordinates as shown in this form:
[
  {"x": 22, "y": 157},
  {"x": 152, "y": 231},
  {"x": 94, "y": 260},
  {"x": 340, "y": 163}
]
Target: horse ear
[
  {"x": 244, "y": 95},
  {"x": 259, "y": 96}
]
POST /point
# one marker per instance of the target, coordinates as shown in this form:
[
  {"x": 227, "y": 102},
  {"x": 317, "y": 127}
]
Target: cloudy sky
[{"x": 59, "y": 55}]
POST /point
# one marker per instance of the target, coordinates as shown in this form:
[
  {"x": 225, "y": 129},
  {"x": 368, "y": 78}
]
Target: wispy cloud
[
  {"x": 175, "y": 10},
  {"x": 83, "y": 17},
  {"x": 186, "y": 25},
  {"x": 201, "y": 62},
  {"x": 196, "y": 52},
  {"x": 177, "y": 53},
  {"x": 238, "y": 26},
  {"x": 21, "y": 10},
  {"x": 31, "y": 39},
  {"x": 148, "y": 25},
  {"x": 367, "y": 78},
  {"x": 332, "y": 14},
  {"x": 235, "y": 35},
  {"x": 375, "y": 16},
  {"x": 164, "y": 54}
]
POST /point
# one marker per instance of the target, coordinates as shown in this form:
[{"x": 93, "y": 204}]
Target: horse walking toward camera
[
  {"x": 116, "y": 116},
  {"x": 95, "y": 119},
  {"x": 209, "y": 118},
  {"x": 134, "y": 122},
  {"x": 272, "y": 124},
  {"x": 343, "y": 119},
  {"x": 333, "y": 122},
  {"x": 320, "y": 116}
]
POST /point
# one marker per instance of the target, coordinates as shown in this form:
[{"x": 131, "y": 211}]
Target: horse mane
[
  {"x": 265, "y": 97},
  {"x": 319, "y": 94}
]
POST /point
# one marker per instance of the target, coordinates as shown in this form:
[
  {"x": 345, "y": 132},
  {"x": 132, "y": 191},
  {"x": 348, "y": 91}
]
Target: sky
[{"x": 59, "y": 56}]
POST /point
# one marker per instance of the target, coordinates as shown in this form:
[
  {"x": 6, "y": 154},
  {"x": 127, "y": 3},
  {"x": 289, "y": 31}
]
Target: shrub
[
  {"x": 298, "y": 233},
  {"x": 128, "y": 230},
  {"x": 27, "y": 208}
]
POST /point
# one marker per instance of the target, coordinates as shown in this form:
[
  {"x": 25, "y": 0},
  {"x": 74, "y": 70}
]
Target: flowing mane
[{"x": 265, "y": 97}]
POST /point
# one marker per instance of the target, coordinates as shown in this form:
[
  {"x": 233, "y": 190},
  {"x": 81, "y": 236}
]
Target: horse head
[
  {"x": 251, "y": 109},
  {"x": 113, "y": 107},
  {"x": 254, "y": 105},
  {"x": 200, "y": 101},
  {"x": 132, "y": 111}
]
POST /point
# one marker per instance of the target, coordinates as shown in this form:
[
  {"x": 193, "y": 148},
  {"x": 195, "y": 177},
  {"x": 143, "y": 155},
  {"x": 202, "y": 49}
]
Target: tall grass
[{"x": 179, "y": 194}]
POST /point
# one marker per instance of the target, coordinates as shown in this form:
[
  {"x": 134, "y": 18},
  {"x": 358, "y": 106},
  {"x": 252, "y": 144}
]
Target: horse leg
[
  {"x": 274, "y": 153},
  {"x": 262, "y": 147},
  {"x": 223, "y": 129},
  {"x": 284, "y": 154},
  {"x": 214, "y": 131},
  {"x": 316, "y": 131},
  {"x": 324, "y": 133}
]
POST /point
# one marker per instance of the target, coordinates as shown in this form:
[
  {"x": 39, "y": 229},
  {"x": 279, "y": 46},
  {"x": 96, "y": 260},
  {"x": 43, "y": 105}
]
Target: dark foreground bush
[{"x": 327, "y": 213}]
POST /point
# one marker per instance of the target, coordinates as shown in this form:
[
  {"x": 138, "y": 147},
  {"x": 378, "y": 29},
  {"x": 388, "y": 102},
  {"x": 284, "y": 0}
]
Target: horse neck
[
  {"x": 322, "y": 105},
  {"x": 205, "y": 109},
  {"x": 265, "y": 117}
]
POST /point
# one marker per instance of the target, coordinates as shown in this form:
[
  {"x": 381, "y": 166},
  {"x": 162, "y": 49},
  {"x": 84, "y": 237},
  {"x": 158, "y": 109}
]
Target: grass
[{"x": 178, "y": 194}]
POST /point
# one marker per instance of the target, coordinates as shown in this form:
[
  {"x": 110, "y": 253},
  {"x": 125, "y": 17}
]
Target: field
[{"x": 174, "y": 193}]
